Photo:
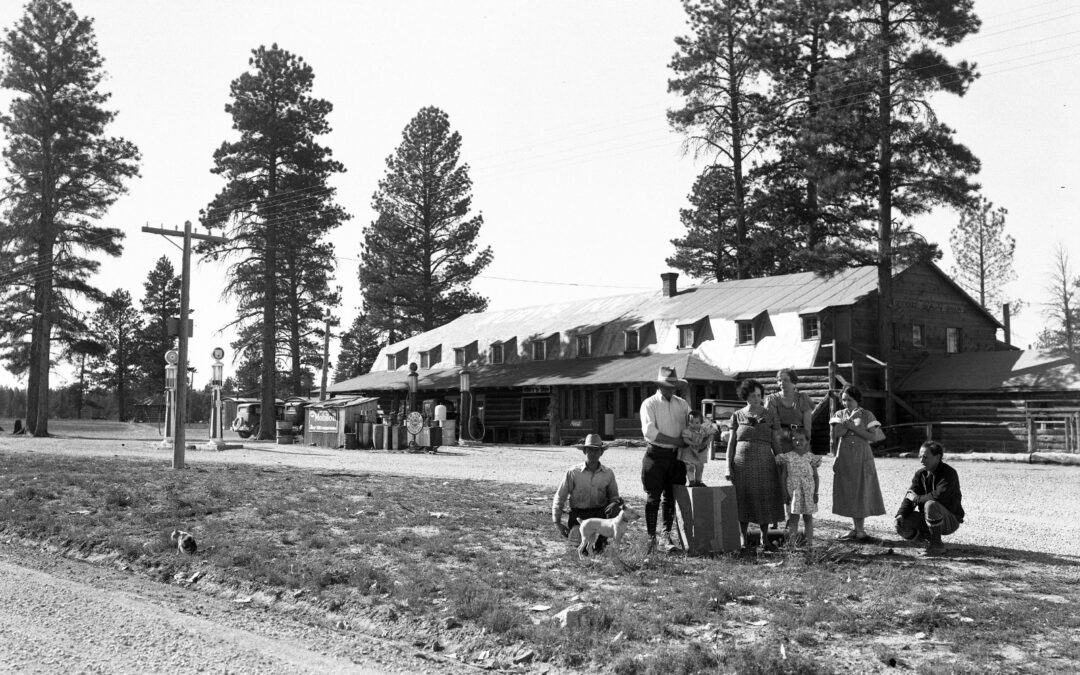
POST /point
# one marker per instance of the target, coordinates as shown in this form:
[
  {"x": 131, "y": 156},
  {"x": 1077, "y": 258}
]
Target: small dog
[
  {"x": 612, "y": 528},
  {"x": 185, "y": 543}
]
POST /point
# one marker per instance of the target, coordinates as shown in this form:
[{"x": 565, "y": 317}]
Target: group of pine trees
[
  {"x": 276, "y": 210},
  {"x": 814, "y": 117}
]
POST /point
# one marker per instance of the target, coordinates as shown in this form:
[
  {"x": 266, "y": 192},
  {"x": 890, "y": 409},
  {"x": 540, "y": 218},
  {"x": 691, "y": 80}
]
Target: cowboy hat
[
  {"x": 667, "y": 377},
  {"x": 592, "y": 441}
]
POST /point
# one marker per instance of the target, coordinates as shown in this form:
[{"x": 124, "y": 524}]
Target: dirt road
[{"x": 1025, "y": 507}]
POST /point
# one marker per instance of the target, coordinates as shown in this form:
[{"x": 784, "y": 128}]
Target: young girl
[
  {"x": 799, "y": 470},
  {"x": 698, "y": 436}
]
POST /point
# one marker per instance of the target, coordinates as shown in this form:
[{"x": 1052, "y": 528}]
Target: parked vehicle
[
  {"x": 719, "y": 411},
  {"x": 249, "y": 416}
]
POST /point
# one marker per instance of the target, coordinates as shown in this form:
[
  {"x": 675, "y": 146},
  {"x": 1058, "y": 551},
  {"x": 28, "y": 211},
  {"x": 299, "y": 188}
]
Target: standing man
[
  {"x": 663, "y": 419},
  {"x": 931, "y": 508}
]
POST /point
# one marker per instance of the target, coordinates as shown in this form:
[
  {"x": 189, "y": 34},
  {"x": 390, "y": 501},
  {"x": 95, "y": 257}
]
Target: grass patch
[{"x": 473, "y": 567}]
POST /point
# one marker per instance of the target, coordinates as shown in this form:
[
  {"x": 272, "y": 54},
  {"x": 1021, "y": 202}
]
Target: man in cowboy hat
[
  {"x": 663, "y": 418},
  {"x": 588, "y": 487}
]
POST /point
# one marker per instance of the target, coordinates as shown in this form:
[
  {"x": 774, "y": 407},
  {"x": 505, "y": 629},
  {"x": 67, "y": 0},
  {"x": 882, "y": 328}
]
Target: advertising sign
[{"x": 322, "y": 421}]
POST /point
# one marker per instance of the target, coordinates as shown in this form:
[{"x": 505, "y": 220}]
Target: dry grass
[{"x": 467, "y": 567}]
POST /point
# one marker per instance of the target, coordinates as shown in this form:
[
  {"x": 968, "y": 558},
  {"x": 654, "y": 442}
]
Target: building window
[
  {"x": 952, "y": 340},
  {"x": 746, "y": 333},
  {"x": 495, "y": 354},
  {"x": 539, "y": 350},
  {"x": 630, "y": 341},
  {"x": 811, "y": 328},
  {"x": 535, "y": 409},
  {"x": 463, "y": 356},
  {"x": 431, "y": 357},
  {"x": 395, "y": 361},
  {"x": 628, "y": 402},
  {"x": 584, "y": 345},
  {"x": 686, "y": 337},
  {"x": 578, "y": 405},
  {"x": 918, "y": 333}
]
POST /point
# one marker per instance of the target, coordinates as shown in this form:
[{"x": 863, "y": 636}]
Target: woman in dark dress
[{"x": 751, "y": 459}]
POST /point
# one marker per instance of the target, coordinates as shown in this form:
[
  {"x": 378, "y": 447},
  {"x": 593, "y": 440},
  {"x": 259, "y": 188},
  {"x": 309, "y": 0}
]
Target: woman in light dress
[{"x": 856, "y": 492}]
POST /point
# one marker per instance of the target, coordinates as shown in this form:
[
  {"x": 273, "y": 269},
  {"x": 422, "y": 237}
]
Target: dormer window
[
  {"x": 431, "y": 357},
  {"x": 631, "y": 341},
  {"x": 395, "y": 361},
  {"x": 495, "y": 353},
  {"x": 539, "y": 350},
  {"x": 584, "y": 345},
  {"x": 686, "y": 337},
  {"x": 811, "y": 327},
  {"x": 745, "y": 332},
  {"x": 463, "y": 356}
]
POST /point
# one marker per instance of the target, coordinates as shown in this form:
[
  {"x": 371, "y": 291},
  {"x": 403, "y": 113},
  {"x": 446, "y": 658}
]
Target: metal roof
[
  {"x": 724, "y": 300},
  {"x": 587, "y": 371},
  {"x": 995, "y": 371}
]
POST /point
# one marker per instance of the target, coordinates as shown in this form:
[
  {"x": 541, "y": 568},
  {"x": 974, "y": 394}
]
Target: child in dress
[
  {"x": 799, "y": 473},
  {"x": 698, "y": 436}
]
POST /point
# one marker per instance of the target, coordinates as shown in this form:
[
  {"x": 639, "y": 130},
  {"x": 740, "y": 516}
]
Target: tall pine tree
[
  {"x": 63, "y": 174},
  {"x": 161, "y": 301},
  {"x": 276, "y": 208},
  {"x": 116, "y": 325},
  {"x": 420, "y": 254},
  {"x": 717, "y": 74},
  {"x": 983, "y": 254}
]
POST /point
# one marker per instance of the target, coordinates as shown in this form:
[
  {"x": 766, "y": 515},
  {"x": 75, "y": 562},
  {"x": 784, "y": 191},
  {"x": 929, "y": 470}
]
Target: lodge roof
[
  {"x": 724, "y": 300},
  {"x": 995, "y": 371},
  {"x": 586, "y": 371}
]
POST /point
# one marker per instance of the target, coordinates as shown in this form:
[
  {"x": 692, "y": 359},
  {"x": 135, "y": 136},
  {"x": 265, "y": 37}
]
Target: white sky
[{"x": 561, "y": 107}]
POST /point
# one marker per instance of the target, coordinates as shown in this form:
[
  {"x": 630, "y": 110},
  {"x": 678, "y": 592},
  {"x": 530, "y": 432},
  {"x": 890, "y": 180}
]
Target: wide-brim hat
[
  {"x": 667, "y": 377},
  {"x": 592, "y": 441}
]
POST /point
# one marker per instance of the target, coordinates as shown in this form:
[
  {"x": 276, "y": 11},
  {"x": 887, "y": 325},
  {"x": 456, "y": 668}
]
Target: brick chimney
[{"x": 670, "y": 284}]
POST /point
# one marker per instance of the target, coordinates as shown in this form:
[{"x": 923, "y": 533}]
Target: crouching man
[
  {"x": 931, "y": 508},
  {"x": 588, "y": 488}
]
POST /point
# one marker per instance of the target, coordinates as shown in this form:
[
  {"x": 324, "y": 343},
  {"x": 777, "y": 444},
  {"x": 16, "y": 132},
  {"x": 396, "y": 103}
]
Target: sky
[{"x": 561, "y": 109}]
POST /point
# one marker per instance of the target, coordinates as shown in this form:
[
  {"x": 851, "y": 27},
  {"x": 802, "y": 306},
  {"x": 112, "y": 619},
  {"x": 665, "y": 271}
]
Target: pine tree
[
  {"x": 116, "y": 324},
  {"x": 895, "y": 69},
  {"x": 161, "y": 302},
  {"x": 276, "y": 208},
  {"x": 63, "y": 174},
  {"x": 416, "y": 270},
  {"x": 983, "y": 254},
  {"x": 717, "y": 71},
  {"x": 359, "y": 347}
]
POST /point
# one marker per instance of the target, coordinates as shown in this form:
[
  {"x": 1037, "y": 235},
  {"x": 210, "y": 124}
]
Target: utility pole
[{"x": 180, "y": 402}]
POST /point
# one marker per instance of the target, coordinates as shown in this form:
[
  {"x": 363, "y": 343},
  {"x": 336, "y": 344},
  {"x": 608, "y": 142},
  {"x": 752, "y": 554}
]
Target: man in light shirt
[
  {"x": 663, "y": 418},
  {"x": 588, "y": 488}
]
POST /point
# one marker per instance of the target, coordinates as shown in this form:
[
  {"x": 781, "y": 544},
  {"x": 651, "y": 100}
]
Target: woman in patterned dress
[
  {"x": 856, "y": 492},
  {"x": 751, "y": 459}
]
